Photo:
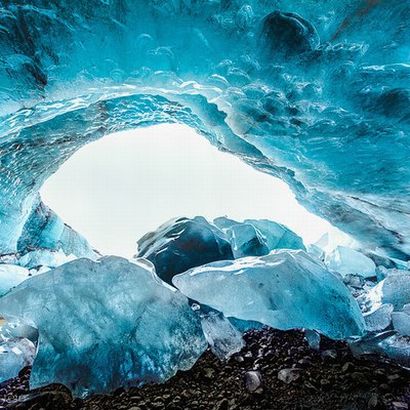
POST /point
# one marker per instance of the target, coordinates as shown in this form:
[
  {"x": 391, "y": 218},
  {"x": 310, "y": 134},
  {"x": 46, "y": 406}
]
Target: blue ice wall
[{"x": 315, "y": 93}]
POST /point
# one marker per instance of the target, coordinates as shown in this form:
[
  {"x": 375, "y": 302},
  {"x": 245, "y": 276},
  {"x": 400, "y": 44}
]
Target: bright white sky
[{"x": 118, "y": 188}]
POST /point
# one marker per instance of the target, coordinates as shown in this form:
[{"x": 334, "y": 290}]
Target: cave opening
[{"x": 126, "y": 184}]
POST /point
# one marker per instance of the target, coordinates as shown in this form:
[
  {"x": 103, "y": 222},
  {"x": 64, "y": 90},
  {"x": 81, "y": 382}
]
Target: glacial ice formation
[
  {"x": 14, "y": 355},
  {"x": 105, "y": 324},
  {"x": 45, "y": 257},
  {"x": 11, "y": 276},
  {"x": 183, "y": 243},
  {"x": 285, "y": 290},
  {"x": 316, "y": 93},
  {"x": 347, "y": 261},
  {"x": 254, "y": 237}
]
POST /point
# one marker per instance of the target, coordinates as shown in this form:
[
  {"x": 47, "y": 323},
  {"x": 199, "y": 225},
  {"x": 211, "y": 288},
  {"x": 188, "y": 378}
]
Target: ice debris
[
  {"x": 105, "y": 324},
  {"x": 15, "y": 354},
  {"x": 348, "y": 261},
  {"x": 183, "y": 243},
  {"x": 285, "y": 290},
  {"x": 10, "y": 276}
]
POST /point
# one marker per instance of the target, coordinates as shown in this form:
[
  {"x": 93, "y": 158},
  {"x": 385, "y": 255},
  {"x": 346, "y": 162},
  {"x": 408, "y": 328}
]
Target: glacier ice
[
  {"x": 348, "y": 261},
  {"x": 285, "y": 290},
  {"x": 10, "y": 276},
  {"x": 387, "y": 343},
  {"x": 315, "y": 93},
  {"x": 183, "y": 243},
  {"x": 401, "y": 323},
  {"x": 395, "y": 289},
  {"x": 44, "y": 257},
  {"x": 313, "y": 339},
  {"x": 105, "y": 324},
  {"x": 379, "y": 319},
  {"x": 257, "y": 237},
  {"x": 15, "y": 354},
  {"x": 223, "y": 338}
]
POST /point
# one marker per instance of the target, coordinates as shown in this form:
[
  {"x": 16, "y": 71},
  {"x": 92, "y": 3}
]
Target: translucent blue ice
[
  {"x": 183, "y": 243},
  {"x": 11, "y": 276},
  {"x": 285, "y": 290},
  {"x": 105, "y": 324},
  {"x": 315, "y": 93},
  {"x": 257, "y": 237}
]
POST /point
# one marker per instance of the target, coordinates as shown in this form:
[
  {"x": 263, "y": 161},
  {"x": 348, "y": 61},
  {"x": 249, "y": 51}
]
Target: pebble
[
  {"x": 253, "y": 380},
  {"x": 288, "y": 375}
]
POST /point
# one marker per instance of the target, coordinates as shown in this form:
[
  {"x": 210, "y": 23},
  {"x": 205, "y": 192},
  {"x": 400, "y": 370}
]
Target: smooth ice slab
[
  {"x": 105, "y": 324},
  {"x": 10, "y": 276},
  {"x": 285, "y": 290},
  {"x": 183, "y": 243},
  {"x": 401, "y": 323},
  {"x": 347, "y": 261},
  {"x": 14, "y": 355}
]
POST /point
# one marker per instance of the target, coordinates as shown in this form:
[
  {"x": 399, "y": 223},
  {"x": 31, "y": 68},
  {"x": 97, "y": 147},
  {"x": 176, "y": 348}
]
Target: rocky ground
[{"x": 276, "y": 370}]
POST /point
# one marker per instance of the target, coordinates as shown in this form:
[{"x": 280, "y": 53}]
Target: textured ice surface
[
  {"x": 316, "y": 93},
  {"x": 14, "y": 355},
  {"x": 379, "y": 319},
  {"x": 257, "y": 237},
  {"x": 223, "y": 338},
  {"x": 313, "y": 339},
  {"x": 285, "y": 289},
  {"x": 395, "y": 289},
  {"x": 401, "y": 323},
  {"x": 348, "y": 261},
  {"x": 45, "y": 257},
  {"x": 183, "y": 243},
  {"x": 10, "y": 276},
  {"x": 105, "y": 324},
  {"x": 387, "y": 343},
  {"x": 46, "y": 230}
]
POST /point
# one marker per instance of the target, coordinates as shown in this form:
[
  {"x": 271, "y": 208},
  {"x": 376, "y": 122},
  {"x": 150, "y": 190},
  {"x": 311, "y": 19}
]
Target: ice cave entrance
[{"x": 118, "y": 188}]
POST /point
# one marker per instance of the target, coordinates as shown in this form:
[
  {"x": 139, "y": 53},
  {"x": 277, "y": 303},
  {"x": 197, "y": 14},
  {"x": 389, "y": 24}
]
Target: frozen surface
[
  {"x": 395, "y": 289},
  {"x": 183, "y": 243},
  {"x": 348, "y": 261},
  {"x": 223, "y": 338},
  {"x": 10, "y": 276},
  {"x": 379, "y": 319},
  {"x": 401, "y": 323},
  {"x": 105, "y": 324},
  {"x": 14, "y": 355},
  {"x": 257, "y": 237},
  {"x": 45, "y": 257},
  {"x": 285, "y": 289},
  {"x": 387, "y": 343},
  {"x": 316, "y": 93}
]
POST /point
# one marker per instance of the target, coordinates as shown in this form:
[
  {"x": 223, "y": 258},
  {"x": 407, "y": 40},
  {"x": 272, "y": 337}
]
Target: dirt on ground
[{"x": 276, "y": 370}]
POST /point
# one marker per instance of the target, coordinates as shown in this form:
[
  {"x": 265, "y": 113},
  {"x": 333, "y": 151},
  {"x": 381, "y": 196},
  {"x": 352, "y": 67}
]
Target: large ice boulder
[
  {"x": 285, "y": 290},
  {"x": 105, "y": 324},
  {"x": 10, "y": 276},
  {"x": 183, "y": 243},
  {"x": 348, "y": 261},
  {"x": 254, "y": 237}
]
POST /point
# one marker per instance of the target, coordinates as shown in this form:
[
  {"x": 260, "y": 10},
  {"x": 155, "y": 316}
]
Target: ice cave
[{"x": 210, "y": 313}]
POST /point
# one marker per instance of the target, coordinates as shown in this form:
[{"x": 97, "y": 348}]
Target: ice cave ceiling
[{"x": 315, "y": 93}]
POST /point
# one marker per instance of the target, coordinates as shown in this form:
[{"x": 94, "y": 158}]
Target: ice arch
[{"x": 321, "y": 101}]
